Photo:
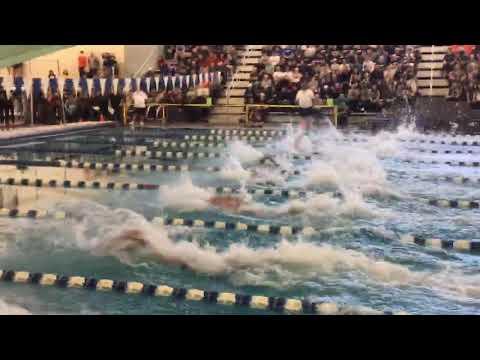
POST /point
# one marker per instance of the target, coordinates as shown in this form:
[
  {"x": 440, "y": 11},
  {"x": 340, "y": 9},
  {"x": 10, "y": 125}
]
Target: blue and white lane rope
[
  {"x": 456, "y": 203},
  {"x": 149, "y": 145},
  {"x": 113, "y": 167},
  {"x": 228, "y": 138},
  {"x": 287, "y": 230},
  {"x": 460, "y": 180},
  {"x": 53, "y": 183},
  {"x": 420, "y": 141},
  {"x": 244, "y": 132},
  {"x": 33, "y": 214},
  {"x": 263, "y": 229},
  {"x": 277, "y": 304},
  {"x": 452, "y": 152}
]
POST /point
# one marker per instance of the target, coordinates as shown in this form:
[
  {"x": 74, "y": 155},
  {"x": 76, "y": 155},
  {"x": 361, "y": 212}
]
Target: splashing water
[
  {"x": 184, "y": 196},
  {"x": 244, "y": 153},
  {"x": 12, "y": 309},
  {"x": 233, "y": 170},
  {"x": 101, "y": 231}
]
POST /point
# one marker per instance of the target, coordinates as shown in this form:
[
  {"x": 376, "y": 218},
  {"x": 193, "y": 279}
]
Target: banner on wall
[
  {"x": 115, "y": 86},
  {"x": 157, "y": 82},
  {"x": 89, "y": 86},
  {"x": 147, "y": 81},
  {"x": 102, "y": 86},
  {"x": 61, "y": 85},
  {"x": 45, "y": 84},
  {"x": 188, "y": 81},
  {"x": 127, "y": 87},
  {"x": 27, "y": 87}
]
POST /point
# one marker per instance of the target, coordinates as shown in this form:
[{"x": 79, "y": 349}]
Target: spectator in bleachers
[
  {"x": 71, "y": 108},
  {"x": 93, "y": 65},
  {"x": 82, "y": 64},
  {"x": 84, "y": 107},
  {"x": 461, "y": 68},
  {"x": 116, "y": 102},
  {"x": 351, "y": 70}
]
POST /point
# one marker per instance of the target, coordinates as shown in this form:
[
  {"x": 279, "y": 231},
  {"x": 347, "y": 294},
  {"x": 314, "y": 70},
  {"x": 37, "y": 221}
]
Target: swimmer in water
[
  {"x": 135, "y": 240},
  {"x": 238, "y": 205},
  {"x": 232, "y": 203}
]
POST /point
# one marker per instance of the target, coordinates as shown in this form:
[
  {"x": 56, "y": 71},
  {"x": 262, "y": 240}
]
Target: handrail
[
  {"x": 247, "y": 107},
  {"x": 140, "y": 69},
  {"x": 431, "y": 72}
]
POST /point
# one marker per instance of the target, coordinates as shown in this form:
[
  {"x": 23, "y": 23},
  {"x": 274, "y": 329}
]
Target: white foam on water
[
  {"x": 184, "y": 195},
  {"x": 234, "y": 171},
  {"x": 244, "y": 153},
  {"x": 102, "y": 232},
  {"x": 356, "y": 171},
  {"x": 319, "y": 206},
  {"x": 7, "y": 308}
]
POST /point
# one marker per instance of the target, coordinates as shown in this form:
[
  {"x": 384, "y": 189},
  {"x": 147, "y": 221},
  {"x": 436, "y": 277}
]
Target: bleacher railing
[{"x": 247, "y": 108}]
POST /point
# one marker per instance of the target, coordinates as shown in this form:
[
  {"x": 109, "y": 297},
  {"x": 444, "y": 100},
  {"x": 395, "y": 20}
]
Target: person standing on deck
[
  {"x": 139, "y": 99},
  {"x": 3, "y": 106},
  {"x": 304, "y": 99},
  {"x": 82, "y": 64}
]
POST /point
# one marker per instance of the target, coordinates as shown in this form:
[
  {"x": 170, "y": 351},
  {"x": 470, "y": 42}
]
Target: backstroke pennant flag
[
  {"x": 126, "y": 89},
  {"x": 147, "y": 81},
  {"x": 102, "y": 86},
  {"x": 89, "y": 86},
  {"x": 61, "y": 85},
  {"x": 115, "y": 85}
]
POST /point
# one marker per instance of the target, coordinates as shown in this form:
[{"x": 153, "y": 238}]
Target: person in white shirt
[
  {"x": 304, "y": 99},
  {"x": 139, "y": 105},
  {"x": 279, "y": 75}
]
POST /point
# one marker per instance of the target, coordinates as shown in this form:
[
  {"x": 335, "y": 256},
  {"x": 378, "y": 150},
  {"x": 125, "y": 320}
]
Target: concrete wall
[
  {"x": 141, "y": 57},
  {"x": 67, "y": 59}
]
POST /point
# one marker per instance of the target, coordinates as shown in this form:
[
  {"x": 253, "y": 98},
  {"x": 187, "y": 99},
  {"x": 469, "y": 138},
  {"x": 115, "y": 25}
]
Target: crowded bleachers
[
  {"x": 365, "y": 77},
  {"x": 186, "y": 74},
  {"x": 461, "y": 69}
]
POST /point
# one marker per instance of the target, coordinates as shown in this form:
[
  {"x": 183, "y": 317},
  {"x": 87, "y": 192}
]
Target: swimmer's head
[{"x": 296, "y": 207}]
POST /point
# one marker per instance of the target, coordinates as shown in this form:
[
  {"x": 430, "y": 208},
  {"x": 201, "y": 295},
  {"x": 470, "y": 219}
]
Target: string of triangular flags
[{"x": 106, "y": 86}]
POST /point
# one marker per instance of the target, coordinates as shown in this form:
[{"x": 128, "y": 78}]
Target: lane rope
[
  {"x": 264, "y": 229},
  {"x": 276, "y": 304},
  {"x": 113, "y": 167},
  {"x": 80, "y": 184},
  {"x": 457, "y": 204}
]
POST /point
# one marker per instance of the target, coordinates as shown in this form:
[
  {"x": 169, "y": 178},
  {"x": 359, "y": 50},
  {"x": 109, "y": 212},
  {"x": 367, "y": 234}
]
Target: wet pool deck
[{"x": 40, "y": 130}]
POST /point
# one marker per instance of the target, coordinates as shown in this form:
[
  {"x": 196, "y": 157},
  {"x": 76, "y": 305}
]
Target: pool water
[{"x": 354, "y": 258}]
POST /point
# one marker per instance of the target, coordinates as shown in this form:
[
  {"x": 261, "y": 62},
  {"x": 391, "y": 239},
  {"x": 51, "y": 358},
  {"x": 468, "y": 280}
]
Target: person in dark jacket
[
  {"x": 116, "y": 104},
  {"x": 3, "y": 105},
  {"x": 10, "y": 111},
  {"x": 84, "y": 107}
]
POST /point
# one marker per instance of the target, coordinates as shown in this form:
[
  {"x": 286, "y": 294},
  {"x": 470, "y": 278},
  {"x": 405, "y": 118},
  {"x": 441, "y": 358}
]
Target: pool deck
[{"x": 38, "y": 130}]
